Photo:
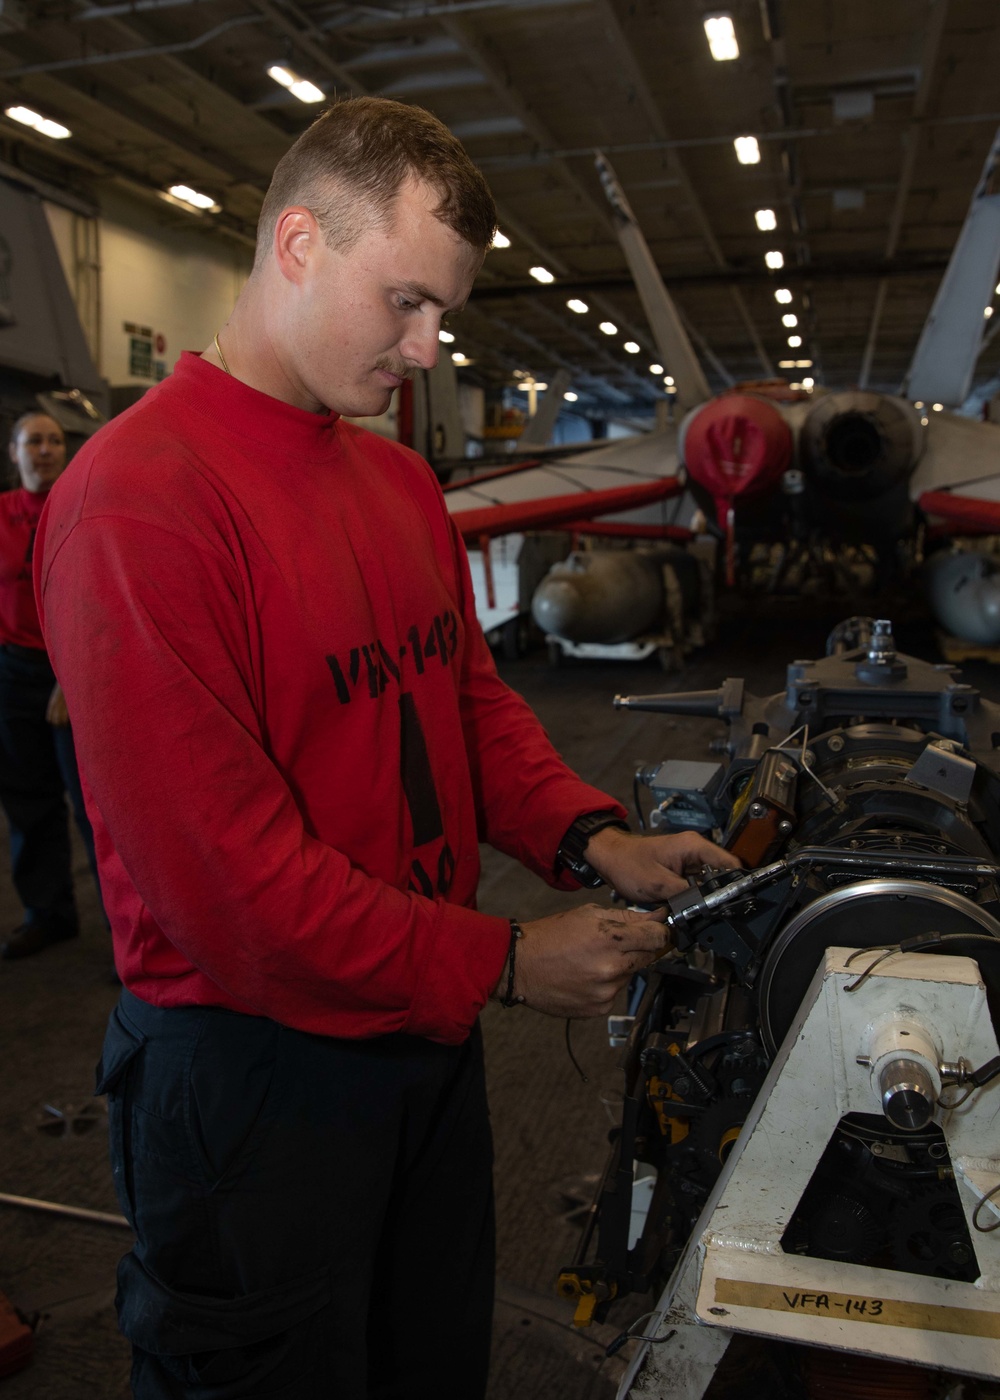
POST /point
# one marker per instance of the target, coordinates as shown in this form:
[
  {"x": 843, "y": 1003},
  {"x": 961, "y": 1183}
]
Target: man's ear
[{"x": 296, "y": 234}]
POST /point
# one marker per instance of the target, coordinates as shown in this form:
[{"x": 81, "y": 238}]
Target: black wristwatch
[{"x": 574, "y": 843}]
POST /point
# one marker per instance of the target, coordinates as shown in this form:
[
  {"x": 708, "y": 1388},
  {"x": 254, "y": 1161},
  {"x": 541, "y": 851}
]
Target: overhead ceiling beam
[
  {"x": 163, "y": 129},
  {"x": 543, "y": 155},
  {"x": 297, "y": 27},
  {"x": 513, "y": 226},
  {"x": 101, "y": 167},
  {"x": 502, "y": 84},
  {"x": 372, "y": 16},
  {"x": 93, "y": 60},
  {"x": 934, "y": 30},
  {"x": 598, "y": 385},
  {"x": 499, "y": 80},
  {"x": 595, "y": 347},
  {"x": 920, "y": 265},
  {"x": 164, "y": 132},
  {"x": 629, "y": 63}
]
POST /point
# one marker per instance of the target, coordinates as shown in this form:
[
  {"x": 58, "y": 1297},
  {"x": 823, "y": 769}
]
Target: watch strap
[{"x": 571, "y": 848}]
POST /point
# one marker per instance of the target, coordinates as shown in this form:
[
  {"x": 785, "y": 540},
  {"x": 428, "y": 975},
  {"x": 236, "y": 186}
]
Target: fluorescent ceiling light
[
  {"x": 193, "y": 197},
  {"x": 632, "y": 348},
  {"x": 656, "y": 369},
  {"x": 43, "y": 125},
  {"x": 774, "y": 259},
  {"x": 803, "y": 364},
  {"x": 307, "y": 92},
  {"x": 782, "y": 295},
  {"x": 609, "y": 328},
  {"x": 575, "y": 304},
  {"x": 500, "y": 240},
  {"x": 721, "y": 37},
  {"x": 988, "y": 312},
  {"x": 570, "y": 397},
  {"x": 794, "y": 341},
  {"x": 747, "y": 150},
  {"x": 669, "y": 381},
  {"x": 766, "y": 220},
  {"x": 445, "y": 337},
  {"x": 789, "y": 319},
  {"x": 937, "y": 407},
  {"x": 540, "y": 386},
  {"x": 298, "y": 87},
  {"x": 786, "y": 364},
  {"x": 542, "y": 274},
  {"x": 808, "y": 383},
  {"x": 459, "y": 357}
]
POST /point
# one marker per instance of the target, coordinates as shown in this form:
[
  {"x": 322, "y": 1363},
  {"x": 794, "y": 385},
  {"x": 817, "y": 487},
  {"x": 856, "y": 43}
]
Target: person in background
[{"x": 37, "y": 761}]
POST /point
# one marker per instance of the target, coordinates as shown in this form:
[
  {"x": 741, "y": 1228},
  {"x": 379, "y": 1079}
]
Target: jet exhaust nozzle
[{"x": 856, "y": 446}]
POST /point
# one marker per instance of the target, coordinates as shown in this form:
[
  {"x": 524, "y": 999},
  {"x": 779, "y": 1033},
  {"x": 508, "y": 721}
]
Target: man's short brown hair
[{"x": 347, "y": 169}]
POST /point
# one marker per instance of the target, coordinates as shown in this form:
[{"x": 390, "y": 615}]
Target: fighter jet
[{"x": 797, "y": 489}]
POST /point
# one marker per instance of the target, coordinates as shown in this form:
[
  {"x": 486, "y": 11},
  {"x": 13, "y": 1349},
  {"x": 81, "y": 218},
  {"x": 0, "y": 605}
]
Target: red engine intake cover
[{"x": 737, "y": 445}]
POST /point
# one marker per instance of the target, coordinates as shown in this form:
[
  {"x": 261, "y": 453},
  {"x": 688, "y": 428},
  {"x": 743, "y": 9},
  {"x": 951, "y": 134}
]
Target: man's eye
[{"x": 405, "y": 304}]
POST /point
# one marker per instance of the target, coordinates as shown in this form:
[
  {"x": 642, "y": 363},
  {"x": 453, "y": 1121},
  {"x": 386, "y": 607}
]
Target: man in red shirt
[
  {"x": 293, "y": 737},
  {"x": 37, "y": 762}
]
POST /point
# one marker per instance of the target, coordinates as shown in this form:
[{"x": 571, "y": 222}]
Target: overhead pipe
[{"x": 62, "y": 65}]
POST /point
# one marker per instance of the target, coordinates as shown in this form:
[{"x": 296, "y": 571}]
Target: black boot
[{"x": 28, "y": 939}]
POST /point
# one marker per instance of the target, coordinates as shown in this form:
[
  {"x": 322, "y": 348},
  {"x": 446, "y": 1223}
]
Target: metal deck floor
[{"x": 550, "y": 1128}]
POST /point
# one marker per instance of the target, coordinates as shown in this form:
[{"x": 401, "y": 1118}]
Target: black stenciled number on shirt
[
  {"x": 422, "y": 799},
  {"x": 371, "y": 666}
]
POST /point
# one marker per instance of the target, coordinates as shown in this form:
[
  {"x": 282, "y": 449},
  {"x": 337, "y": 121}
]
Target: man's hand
[
  {"x": 56, "y": 711},
  {"x": 650, "y": 868},
  {"x": 576, "y": 963}
]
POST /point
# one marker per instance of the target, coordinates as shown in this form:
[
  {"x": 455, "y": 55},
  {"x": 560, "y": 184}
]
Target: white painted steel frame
[{"x": 734, "y": 1275}]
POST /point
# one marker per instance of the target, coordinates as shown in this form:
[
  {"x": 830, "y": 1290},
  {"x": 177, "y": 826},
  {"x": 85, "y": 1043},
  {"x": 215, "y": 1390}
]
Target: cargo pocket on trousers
[
  {"x": 255, "y": 1345},
  {"x": 122, "y": 1043}
]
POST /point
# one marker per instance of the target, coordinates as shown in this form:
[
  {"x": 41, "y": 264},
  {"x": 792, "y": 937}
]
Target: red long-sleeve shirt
[
  {"x": 19, "y": 513},
  {"x": 289, "y": 726}
]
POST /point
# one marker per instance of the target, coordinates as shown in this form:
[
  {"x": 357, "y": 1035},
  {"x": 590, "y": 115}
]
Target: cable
[
  {"x": 629, "y": 1336},
  {"x": 985, "y": 1229},
  {"x": 922, "y": 943},
  {"x": 569, "y": 1051},
  {"x": 635, "y": 798}
]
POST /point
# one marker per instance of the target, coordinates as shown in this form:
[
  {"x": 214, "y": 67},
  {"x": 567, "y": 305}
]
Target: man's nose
[{"x": 420, "y": 345}]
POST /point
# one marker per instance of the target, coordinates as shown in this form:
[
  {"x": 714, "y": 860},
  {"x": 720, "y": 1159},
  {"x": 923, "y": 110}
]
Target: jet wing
[
  {"x": 957, "y": 479},
  {"x": 627, "y": 479}
]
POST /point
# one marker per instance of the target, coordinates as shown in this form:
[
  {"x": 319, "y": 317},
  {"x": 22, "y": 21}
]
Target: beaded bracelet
[{"x": 508, "y": 998}]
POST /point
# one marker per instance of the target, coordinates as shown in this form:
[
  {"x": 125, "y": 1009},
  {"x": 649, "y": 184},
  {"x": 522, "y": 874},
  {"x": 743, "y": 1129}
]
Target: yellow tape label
[{"x": 844, "y": 1307}]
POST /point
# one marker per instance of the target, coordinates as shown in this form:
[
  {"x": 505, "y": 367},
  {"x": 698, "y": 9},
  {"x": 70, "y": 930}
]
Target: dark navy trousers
[
  {"x": 313, "y": 1217},
  {"x": 37, "y": 772}
]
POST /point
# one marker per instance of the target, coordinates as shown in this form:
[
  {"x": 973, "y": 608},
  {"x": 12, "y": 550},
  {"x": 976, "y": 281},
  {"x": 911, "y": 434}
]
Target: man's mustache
[{"x": 390, "y": 366}]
